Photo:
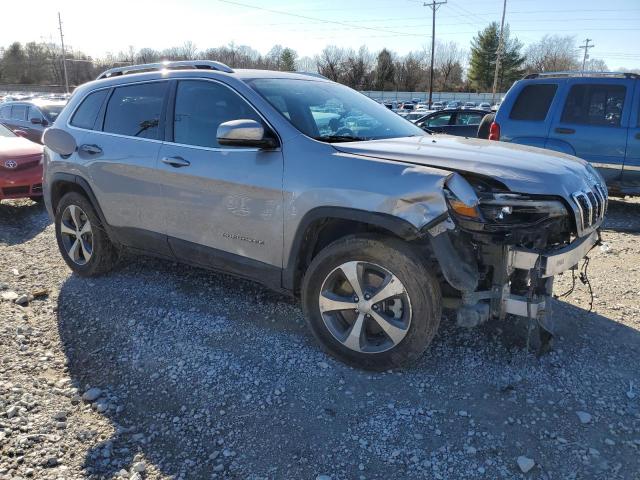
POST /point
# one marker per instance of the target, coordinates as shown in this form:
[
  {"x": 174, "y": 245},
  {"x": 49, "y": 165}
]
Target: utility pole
[
  {"x": 499, "y": 54},
  {"x": 586, "y": 47},
  {"x": 434, "y": 6},
  {"x": 64, "y": 56}
]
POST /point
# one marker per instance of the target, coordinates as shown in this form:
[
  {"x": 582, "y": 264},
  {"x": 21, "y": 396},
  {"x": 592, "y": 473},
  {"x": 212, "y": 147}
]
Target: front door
[
  {"x": 594, "y": 121},
  {"x": 223, "y": 205},
  {"x": 631, "y": 172}
]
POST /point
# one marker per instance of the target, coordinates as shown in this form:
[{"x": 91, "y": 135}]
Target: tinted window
[
  {"x": 34, "y": 113},
  {"x": 135, "y": 110},
  {"x": 201, "y": 107},
  {"x": 469, "y": 118},
  {"x": 87, "y": 112},
  {"x": 594, "y": 104},
  {"x": 438, "y": 120},
  {"x": 18, "y": 112},
  {"x": 5, "y": 112},
  {"x": 533, "y": 102}
]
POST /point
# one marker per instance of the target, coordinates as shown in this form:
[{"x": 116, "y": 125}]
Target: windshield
[
  {"x": 5, "y": 132},
  {"x": 51, "y": 112},
  {"x": 331, "y": 112}
]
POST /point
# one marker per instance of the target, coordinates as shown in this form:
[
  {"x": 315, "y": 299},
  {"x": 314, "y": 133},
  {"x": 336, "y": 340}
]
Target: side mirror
[
  {"x": 244, "y": 133},
  {"x": 59, "y": 141},
  {"x": 37, "y": 121}
]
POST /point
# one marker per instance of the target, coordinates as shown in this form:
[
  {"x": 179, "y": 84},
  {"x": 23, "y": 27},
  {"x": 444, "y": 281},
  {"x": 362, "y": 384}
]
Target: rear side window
[
  {"x": 533, "y": 102},
  {"x": 438, "y": 120},
  {"x": 201, "y": 107},
  {"x": 19, "y": 112},
  {"x": 135, "y": 110},
  {"x": 87, "y": 113},
  {"x": 592, "y": 104},
  {"x": 469, "y": 118}
]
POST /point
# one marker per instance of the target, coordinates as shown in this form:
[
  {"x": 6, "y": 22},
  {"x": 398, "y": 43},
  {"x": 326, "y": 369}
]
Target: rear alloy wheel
[
  {"x": 83, "y": 242},
  {"x": 371, "y": 301}
]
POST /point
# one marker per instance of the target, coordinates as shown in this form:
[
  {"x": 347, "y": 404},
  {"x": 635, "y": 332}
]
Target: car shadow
[
  {"x": 623, "y": 216},
  {"x": 206, "y": 374},
  {"x": 21, "y": 220}
]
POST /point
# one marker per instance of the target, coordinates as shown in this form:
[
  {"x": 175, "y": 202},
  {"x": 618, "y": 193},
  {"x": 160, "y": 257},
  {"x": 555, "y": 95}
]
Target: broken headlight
[{"x": 512, "y": 209}]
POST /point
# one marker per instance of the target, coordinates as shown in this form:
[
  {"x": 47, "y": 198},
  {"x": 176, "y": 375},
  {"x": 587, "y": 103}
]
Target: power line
[{"x": 434, "y": 5}]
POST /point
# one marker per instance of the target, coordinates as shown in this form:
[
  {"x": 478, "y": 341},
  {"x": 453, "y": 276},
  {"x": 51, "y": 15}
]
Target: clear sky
[{"x": 98, "y": 27}]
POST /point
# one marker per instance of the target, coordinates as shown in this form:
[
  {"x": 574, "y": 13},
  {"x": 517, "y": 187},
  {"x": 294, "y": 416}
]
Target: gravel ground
[{"x": 165, "y": 371}]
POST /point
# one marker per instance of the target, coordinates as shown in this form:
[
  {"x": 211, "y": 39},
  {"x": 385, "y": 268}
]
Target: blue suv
[{"x": 595, "y": 116}]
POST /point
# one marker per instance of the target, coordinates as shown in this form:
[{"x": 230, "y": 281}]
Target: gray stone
[
  {"x": 584, "y": 417},
  {"x": 525, "y": 464},
  {"x": 92, "y": 394}
]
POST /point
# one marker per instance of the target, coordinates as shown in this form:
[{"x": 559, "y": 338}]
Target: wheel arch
[{"x": 324, "y": 225}]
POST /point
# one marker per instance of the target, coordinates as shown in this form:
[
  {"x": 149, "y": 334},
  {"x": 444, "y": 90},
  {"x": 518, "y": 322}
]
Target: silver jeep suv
[{"x": 314, "y": 189}]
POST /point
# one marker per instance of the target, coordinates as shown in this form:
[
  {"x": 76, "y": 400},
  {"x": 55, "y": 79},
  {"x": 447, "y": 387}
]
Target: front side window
[
  {"x": 591, "y": 104},
  {"x": 533, "y": 102},
  {"x": 18, "y": 112},
  {"x": 34, "y": 113},
  {"x": 201, "y": 106},
  {"x": 330, "y": 112},
  {"x": 87, "y": 113},
  {"x": 5, "y": 112},
  {"x": 51, "y": 112},
  {"x": 134, "y": 110}
]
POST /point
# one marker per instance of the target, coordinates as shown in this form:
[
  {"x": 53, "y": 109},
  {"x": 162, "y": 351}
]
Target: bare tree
[
  {"x": 357, "y": 68},
  {"x": 448, "y": 62},
  {"x": 330, "y": 62},
  {"x": 553, "y": 53}
]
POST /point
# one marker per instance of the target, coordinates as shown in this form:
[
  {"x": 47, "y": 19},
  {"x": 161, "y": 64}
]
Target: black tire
[
  {"x": 485, "y": 125},
  {"x": 398, "y": 257},
  {"x": 104, "y": 254}
]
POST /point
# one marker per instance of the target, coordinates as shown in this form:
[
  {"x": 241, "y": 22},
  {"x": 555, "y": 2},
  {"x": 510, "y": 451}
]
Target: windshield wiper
[{"x": 339, "y": 138}]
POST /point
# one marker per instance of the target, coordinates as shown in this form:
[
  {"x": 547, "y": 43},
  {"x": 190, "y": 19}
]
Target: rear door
[
  {"x": 120, "y": 155},
  {"x": 631, "y": 171},
  {"x": 222, "y": 205},
  {"x": 465, "y": 123},
  {"x": 594, "y": 121}
]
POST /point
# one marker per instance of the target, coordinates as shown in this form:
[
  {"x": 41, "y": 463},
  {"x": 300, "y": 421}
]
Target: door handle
[
  {"x": 90, "y": 149},
  {"x": 566, "y": 131},
  {"x": 176, "y": 162}
]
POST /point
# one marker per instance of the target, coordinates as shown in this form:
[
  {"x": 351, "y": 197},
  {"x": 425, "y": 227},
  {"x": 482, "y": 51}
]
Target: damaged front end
[{"x": 500, "y": 250}]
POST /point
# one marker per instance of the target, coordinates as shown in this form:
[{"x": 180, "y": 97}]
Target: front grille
[
  {"x": 37, "y": 188},
  {"x": 16, "y": 190},
  {"x": 592, "y": 205}
]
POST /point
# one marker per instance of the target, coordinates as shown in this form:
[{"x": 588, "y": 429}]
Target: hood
[
  {"x": 14, "y": 148},
  {"x": 522, "y": 169},
  {"x": 22, "y": 153}
]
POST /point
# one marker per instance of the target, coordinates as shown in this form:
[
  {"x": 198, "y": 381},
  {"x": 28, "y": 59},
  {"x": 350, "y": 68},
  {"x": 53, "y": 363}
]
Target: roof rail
[
  {"x": 582, "y": 74},
  {"x": 166, "y": 65}
]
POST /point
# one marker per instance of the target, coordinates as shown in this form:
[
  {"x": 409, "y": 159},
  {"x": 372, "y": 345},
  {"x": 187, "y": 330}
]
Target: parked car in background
[
  {"x": 20, "y": 166},
  {"x": 417, "y": 115},
  {"x": 408, "y": 106},
  {"x": 366, "y": 218},
  {"x": 437, "y": 106},
  {"x": 468, "y": 106},
  {"x": 422, "y": 106},
  {"x": 30, "y": 118},
  {"x": 459, "y": 122},
  {"x": 595, "y": 116},
  {"x": 453, "y": 105},
  {"x": 484, "y": 106}
]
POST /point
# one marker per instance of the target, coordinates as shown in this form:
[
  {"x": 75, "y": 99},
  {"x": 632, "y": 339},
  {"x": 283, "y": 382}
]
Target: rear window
[
  {"x": 592, "y": 104},
  {"x": 533, "y": 102},
  {"x": 18, "y": 112},
  {"x": 135, "y": 110},
  {"x": 87, "y": 113}
]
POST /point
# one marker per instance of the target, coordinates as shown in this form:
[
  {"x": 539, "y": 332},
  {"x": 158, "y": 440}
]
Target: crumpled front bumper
[{"x": 547, "y": 265}]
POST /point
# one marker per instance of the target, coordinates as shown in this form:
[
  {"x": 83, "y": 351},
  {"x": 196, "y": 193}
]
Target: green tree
[
  {"x": 288, "y": 60},
  {"x": 385, "y": 72},
  {"x": 484, "y": 52}
]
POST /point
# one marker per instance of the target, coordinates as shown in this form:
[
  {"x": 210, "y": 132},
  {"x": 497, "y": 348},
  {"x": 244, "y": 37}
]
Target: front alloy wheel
[{"x": 365, "y": 307}]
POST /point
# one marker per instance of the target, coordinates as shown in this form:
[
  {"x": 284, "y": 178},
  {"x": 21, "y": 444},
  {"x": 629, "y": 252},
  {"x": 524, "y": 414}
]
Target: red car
[{"x": 20, "y": 166}]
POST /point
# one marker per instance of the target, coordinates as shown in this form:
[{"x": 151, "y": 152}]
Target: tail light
[{"x": 494, "y": 131}]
